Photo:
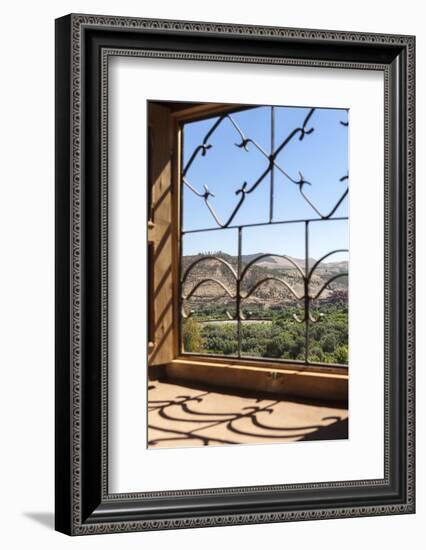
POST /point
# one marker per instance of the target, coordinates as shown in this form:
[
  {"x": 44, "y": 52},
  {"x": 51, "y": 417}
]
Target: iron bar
[
  {"x": 238, "y": 302},
  {"x": 271, "y": 194},
  {"x": 264, "y": 224},
  {"x": 306, "y": 292}
]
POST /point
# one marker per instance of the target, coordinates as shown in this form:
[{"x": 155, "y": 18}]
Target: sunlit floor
[{"x": 188, "y": 416}]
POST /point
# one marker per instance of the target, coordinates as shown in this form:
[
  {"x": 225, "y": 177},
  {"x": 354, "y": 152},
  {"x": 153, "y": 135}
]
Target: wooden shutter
[{"x": 162, "y": 231}]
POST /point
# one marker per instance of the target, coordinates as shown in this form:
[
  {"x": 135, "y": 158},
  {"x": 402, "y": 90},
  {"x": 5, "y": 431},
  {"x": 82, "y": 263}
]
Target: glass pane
[{"x": 275, "y": 284}]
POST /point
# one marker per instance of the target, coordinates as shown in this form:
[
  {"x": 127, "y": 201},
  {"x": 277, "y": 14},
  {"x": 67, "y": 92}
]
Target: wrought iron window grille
[{"x": 239, "y": 273}]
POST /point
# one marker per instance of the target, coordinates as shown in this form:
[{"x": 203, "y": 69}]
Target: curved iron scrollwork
[
  {"x": 246, "y": 189},
  {"x": 305, "y": 277},
  {"x": 239, "y": 275}
]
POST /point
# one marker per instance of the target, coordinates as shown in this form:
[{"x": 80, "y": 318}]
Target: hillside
[{"x": 270, "y": 294}]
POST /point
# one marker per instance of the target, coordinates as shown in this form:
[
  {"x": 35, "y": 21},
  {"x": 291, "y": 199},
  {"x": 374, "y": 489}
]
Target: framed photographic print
[{"x": 234, "y": 274}]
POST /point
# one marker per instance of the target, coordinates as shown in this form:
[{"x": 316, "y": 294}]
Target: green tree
[
  {"x": 329, "y": 343},
  {"x": 279, "y": 345},
  {"x": 316, "y": 354},
  {"x": 192, "y": 337},
  {"x": 341, "y": 355}
]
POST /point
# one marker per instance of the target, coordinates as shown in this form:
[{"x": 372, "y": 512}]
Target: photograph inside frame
[{"x": 248, "y": 271}]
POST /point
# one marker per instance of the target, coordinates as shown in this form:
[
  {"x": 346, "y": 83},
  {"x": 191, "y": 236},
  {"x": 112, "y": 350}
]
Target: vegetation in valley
[
  {"x": 269, "y": 329},
  {"x": 276, "y": 335}
]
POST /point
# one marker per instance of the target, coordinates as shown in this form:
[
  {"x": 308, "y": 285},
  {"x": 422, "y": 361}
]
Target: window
[{"x": 249, "y": 233}]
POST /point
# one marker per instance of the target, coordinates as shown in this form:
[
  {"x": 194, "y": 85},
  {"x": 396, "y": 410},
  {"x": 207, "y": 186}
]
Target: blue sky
[{"x": 322, "y": 158}]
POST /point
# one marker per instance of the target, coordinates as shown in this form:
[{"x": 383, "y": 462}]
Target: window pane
[{"x": 265, "y": 234}]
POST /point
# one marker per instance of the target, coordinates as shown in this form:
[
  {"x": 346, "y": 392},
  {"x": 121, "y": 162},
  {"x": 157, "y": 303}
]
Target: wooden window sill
[{"x": 325, "y": 384}]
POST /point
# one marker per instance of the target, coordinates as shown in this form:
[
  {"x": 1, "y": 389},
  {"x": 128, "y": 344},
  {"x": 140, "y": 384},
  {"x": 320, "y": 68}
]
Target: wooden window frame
[{"x": 314, "y": 381}]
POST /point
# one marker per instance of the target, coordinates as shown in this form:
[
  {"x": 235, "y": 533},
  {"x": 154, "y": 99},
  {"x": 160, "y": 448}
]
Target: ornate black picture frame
[{"x": 83, "y": 502}]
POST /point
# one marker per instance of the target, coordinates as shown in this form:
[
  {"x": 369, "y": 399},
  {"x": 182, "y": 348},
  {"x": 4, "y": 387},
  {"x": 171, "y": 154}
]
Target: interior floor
[{"x": 186, "y": 416}]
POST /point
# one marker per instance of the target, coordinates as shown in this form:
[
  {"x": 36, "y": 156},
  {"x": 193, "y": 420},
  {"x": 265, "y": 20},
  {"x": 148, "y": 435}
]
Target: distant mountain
[{"x": 273, "y": 262}]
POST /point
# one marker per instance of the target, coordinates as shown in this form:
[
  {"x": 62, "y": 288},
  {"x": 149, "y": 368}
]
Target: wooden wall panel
[{"x": 160, "y": 236}]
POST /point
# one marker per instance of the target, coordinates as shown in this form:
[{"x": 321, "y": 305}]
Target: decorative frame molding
[{"x": 83, "y": 45}]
